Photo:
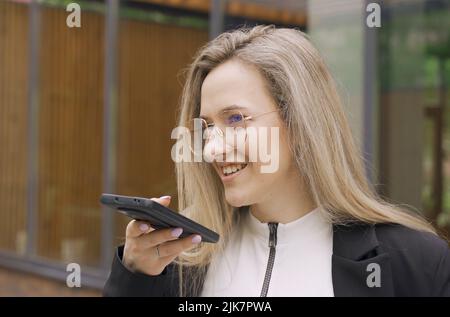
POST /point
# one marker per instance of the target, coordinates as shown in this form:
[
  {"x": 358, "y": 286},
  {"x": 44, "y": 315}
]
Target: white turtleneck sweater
[{"x": 302, "y": 259}]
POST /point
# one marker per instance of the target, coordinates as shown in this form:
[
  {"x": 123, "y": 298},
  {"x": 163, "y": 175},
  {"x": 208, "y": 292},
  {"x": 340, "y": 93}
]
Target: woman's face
[{"x": 236, "y": 83}]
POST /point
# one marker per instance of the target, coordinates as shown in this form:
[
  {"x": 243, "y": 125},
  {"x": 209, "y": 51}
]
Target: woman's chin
[{"x": 235, "y": 198}]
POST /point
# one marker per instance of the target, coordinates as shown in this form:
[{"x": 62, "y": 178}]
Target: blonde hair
[{"x": 319, "y": 137}]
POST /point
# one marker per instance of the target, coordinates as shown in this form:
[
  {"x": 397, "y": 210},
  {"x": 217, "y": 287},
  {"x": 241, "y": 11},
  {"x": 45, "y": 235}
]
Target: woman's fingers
[
  {"x": 174, "y": 248},
  {"x": 164, "y": 200},
  {"x": 148, "y": 250},
  {"x": 136, "y": 228},
  {"x": 160, "y": 236}
]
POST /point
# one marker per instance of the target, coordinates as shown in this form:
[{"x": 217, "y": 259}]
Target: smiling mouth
[{"x": 231, "y": 169}]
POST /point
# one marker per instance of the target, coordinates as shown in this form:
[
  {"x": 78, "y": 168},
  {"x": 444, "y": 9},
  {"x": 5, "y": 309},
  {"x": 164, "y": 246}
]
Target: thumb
[{"x": 164, "y": 200}]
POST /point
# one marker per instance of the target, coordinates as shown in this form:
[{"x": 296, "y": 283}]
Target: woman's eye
[{"x": 234, "y": 118}]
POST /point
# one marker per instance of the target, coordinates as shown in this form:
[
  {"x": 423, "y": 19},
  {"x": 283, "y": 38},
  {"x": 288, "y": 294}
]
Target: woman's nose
[{"x": 216, "y": 148}]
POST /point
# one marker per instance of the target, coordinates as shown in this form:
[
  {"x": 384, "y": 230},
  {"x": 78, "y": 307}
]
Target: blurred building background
[{"x": 90, "y": 110}]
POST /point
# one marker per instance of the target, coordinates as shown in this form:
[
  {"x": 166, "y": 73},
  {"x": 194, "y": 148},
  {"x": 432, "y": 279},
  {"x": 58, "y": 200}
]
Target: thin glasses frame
[{"x": 205, "y": 125}]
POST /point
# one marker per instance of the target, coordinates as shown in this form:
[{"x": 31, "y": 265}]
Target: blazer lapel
[{"x": 359, "y": 266}]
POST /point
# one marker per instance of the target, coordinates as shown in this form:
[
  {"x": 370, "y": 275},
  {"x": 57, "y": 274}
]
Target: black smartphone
[{"x": 157, "y": 215}]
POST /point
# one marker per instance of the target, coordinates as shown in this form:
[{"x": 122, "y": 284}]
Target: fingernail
[
  {"x": 165, "y": 197},
  {"x": 196, "y": 239},
  {"x": 144, "y": 227},
  {"x": 176, "y": 232}
]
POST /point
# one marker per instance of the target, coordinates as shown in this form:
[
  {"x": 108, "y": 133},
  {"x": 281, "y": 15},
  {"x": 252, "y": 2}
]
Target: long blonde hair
[{"x": 319, "y": 136}]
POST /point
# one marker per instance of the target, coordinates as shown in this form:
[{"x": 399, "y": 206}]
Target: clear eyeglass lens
[{"x": 228, "y": 119}]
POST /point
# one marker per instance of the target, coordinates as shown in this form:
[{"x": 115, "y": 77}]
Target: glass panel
[{"x": 414, "y": 49}]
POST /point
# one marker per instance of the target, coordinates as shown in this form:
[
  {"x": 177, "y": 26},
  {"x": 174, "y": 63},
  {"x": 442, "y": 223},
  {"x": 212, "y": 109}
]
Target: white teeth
[{"x": 232, "y": 168}]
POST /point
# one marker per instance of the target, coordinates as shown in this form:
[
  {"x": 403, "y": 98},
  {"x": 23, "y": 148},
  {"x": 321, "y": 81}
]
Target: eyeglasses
[{"x": 231, "y": 125}]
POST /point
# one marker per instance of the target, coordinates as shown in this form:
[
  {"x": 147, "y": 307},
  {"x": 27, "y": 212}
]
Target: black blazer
[{"x": 411, "y": 263}]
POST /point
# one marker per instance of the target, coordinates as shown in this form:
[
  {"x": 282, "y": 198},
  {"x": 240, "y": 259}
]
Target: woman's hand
[{"x": 148, "y": 250}]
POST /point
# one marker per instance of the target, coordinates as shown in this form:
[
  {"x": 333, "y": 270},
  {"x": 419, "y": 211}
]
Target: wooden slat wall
[
  {"x": 71, "y": 118},
  {"x": 13, "y": 125},
  {"x": 151, "y": 57},
  {"x": 70, "y": 137}
]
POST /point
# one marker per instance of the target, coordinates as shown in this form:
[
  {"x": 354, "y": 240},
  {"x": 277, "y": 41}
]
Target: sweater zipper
[{"x": 272, "y": 245}]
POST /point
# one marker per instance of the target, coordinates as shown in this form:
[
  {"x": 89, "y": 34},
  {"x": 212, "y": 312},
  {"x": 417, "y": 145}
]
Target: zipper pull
[{"x": 273, "y": 234}]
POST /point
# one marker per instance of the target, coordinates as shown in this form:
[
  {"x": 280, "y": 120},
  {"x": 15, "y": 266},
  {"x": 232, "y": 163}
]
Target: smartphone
[{"x": 157, "y": 215}]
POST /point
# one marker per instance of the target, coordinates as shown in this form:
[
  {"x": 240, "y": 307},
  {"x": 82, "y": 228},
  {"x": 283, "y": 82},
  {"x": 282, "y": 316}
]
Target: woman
[{"x": 311, "y": 227}]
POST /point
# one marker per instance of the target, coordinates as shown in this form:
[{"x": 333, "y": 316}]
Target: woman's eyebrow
[
  {"x": 233, "y": 107},
  {"x": 226, "y": 108}
]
